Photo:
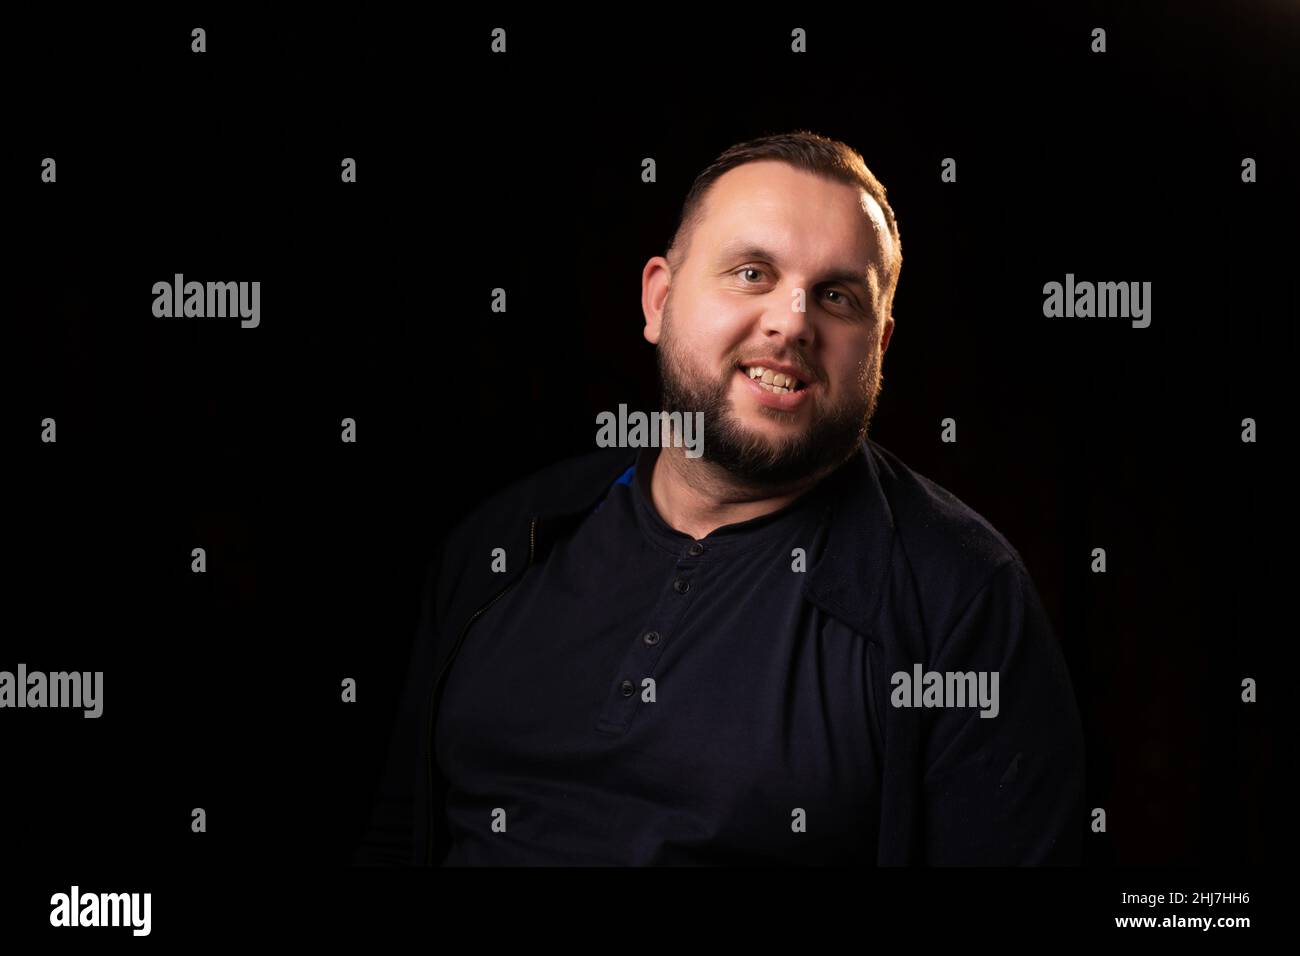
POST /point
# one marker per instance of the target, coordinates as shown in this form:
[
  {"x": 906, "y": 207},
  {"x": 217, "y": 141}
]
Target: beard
[{"x": 830, "y": 438}]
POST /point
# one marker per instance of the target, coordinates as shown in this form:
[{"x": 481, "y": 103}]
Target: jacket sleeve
[
  {"x": 1006, "y": 789},
  {"x": 389, "y": 838}
]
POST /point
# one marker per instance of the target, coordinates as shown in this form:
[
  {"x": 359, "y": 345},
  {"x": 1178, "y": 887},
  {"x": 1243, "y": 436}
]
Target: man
[{"x": 790, "y": 649}]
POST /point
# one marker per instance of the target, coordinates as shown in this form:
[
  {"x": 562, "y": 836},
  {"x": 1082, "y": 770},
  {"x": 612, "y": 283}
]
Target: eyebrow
[{"x": 739, "y": 249}]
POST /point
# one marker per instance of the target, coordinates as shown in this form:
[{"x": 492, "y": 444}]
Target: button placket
[{"x": 623, "y": 699}]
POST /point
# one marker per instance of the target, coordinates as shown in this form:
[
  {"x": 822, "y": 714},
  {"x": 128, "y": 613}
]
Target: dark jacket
[{"x": 907, "y": 566}]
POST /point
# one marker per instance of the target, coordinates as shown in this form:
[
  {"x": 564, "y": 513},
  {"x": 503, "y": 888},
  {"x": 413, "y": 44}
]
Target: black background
[{"x": 476, "y": 171}]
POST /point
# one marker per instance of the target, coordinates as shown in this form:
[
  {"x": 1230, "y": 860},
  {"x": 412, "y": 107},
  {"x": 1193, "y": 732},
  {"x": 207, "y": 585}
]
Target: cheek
[
  {"x": 715, "y": 327},
  {"x": 849, "y": 373}
]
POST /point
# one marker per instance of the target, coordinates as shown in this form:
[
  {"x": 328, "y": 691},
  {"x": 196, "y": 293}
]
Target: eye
[
  {"x": 745, "y": 269},
  {"x": 845, "y": 300}
]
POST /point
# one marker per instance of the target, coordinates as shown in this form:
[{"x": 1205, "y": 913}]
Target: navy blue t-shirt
[{"x": 640, "y": 697}]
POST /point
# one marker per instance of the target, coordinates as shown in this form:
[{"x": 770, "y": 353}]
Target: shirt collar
[
  {"x": 854, "y": 543},
  {"x": 748, "y": 536}
]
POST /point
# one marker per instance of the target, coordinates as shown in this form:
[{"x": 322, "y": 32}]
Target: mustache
[{"x": 803, "y": 370}]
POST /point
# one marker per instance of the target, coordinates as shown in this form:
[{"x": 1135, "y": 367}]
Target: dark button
[
  {"x": 628, "y": 688},
  {"x": 651, "y": 638},
  {"x": 695, "y": 548},
  {"x": 681, "y": 585}
]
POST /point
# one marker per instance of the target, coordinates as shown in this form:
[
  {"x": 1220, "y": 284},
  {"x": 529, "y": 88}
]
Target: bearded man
[{"x": 767, "y": 653}]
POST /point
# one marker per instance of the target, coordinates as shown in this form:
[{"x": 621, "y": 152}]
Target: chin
[{"x": 767, "y": 430}]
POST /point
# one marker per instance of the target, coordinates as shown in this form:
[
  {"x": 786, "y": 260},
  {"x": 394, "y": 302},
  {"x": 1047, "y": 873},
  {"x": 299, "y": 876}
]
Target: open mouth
[{"x": 778, "y": 383}]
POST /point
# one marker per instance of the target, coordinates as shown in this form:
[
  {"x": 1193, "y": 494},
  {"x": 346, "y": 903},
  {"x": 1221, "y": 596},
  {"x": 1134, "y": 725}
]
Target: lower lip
[{"x": 789, "y": 401}]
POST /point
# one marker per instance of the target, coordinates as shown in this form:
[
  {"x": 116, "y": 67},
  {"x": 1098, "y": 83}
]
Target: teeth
[{"x": 779, "y": 381}]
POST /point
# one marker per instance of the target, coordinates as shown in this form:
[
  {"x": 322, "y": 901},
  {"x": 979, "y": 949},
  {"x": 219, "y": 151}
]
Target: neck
[{"x": 696, "y": 497}]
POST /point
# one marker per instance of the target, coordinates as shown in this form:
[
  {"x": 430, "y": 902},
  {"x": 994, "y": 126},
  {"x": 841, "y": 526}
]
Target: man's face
[{"x": 768, "y": 231}]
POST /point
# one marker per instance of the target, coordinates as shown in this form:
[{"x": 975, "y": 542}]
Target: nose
[{"x": 785, "y": 321}]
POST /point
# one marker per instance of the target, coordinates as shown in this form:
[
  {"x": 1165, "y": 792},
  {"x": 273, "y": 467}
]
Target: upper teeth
[{"x": 779, "y": 379}]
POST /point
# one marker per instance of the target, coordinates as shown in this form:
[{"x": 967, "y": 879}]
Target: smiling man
[
  {"x": 642, "y": 657},
  {"x": 775, "y": 328}
]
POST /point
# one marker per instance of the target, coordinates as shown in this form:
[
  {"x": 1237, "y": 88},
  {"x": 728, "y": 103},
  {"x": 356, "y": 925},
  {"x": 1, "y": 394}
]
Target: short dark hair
[{"x": 802, "y": 149}]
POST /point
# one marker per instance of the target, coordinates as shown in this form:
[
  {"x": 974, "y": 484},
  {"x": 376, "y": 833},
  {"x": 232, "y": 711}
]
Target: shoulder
[
  {"x": 951, "y": 551},
  {"x": 563, "y": 485}
]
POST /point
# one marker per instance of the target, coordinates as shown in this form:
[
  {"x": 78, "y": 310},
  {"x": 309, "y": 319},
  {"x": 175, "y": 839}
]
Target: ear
[
  {"x": 886, "y": 334},
  {"x": 656, "y": 277}
]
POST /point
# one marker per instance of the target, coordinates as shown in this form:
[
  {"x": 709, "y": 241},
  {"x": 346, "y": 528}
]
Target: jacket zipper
[{"x": 433, "y": 695}]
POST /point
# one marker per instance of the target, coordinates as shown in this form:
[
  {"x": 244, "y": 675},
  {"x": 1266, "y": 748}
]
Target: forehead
[{"x": 805, "y": 218}]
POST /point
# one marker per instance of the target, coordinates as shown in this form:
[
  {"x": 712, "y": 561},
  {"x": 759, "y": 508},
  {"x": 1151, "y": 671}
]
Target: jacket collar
[
  {"x": 853, "y": 570},
  {"x": 855, "y": 543}
]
